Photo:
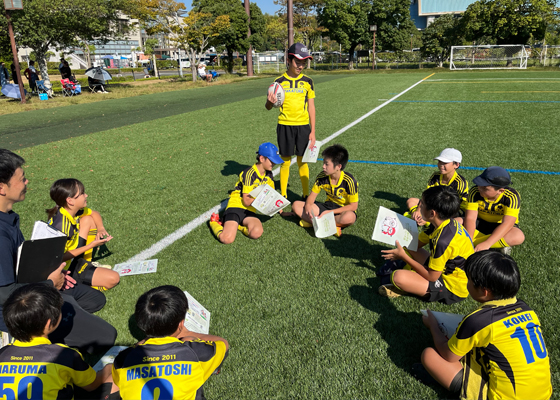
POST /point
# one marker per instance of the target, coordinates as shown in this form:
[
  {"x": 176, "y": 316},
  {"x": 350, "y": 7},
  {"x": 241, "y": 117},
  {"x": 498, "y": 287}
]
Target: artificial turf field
[{"x": 302, "y": 315}]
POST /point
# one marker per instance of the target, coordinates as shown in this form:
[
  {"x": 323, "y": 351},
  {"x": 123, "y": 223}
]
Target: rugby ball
[{"x": 278, "y": 92}]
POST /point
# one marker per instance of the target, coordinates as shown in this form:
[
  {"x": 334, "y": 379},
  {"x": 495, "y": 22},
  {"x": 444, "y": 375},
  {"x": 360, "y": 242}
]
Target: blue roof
[{"x": 434, "y": 7}]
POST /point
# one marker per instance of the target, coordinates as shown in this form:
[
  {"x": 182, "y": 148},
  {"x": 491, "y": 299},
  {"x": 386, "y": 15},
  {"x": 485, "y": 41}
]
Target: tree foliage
[
  {"x": 507, "y": 21},
  {"x": 439, "y": 36},
  {"x": 394, "y": 25},
  {"x": 346, "y": 22},
  {"x": 307, "y": 30},
  {"x": 62, "y": 24}
]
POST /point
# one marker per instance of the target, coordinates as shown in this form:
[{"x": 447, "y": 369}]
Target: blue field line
[
  {"x": 476, "y": 101},
  {"x": 522, "y": 171}
]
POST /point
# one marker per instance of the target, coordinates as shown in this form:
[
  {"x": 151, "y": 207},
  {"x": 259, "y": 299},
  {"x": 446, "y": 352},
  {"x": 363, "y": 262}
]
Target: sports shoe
[
  {"x": 98, "y": 265},
  {"x": 338, "y": 231},
  {"x": 216, "y": 218},
  {"x": 304, "y": 224},
  {"x": 506, "y": 250},
  {"x": 390, "y": 291}
]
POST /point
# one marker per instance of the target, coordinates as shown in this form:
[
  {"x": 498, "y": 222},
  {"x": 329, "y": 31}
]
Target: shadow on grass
[
  {"x": 404, "y": 332},
  {"x": 368, "y": 255},
  {"x": 233, "y": 168},
  {"x": 395, "y": 198}
]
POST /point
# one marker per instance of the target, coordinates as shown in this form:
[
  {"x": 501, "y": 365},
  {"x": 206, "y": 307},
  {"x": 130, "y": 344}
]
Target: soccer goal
[{"x": 507, "y": 56}]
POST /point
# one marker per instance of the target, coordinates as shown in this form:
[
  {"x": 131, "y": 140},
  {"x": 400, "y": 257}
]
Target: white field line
[
  {"x": 201, "y": 219},
  {"x": 494, "y": 79}
]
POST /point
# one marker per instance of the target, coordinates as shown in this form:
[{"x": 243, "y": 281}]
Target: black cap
[
  {"x": 299, "y": 51},
  {"x": 493, "y": 176}
]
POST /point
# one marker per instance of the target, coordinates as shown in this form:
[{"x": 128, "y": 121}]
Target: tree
[
  {"x": 347, "y": 23},
  {"x": 439, "y": 36},
  {"x": 276, "y": 31},
  {"x": 305, "y": 19},
  {"x": 394, "y": 25},
  {"x": 508, "y": 21},
  {"x": 150, "y": 45},
  {"x": 44, "y": 24},
  {"x": 233, "y": 39}
]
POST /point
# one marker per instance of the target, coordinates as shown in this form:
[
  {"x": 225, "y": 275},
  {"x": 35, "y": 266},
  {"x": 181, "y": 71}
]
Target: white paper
[
  {"x": 324, "y": 226},
  {"x": 42, "y": 230},
  {"x": 109, "y": 357},
  {"x": 197, "y": 318},
  {"x": 447, "y": 322},
  {"x": 136, "y": 268},
  {"x": 391, "y": 226},
  {"x": 267, "y": 200},
  {"x": 311, "y": 155}
]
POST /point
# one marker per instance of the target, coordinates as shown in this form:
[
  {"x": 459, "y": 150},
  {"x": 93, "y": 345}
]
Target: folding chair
[
  {"x": 42, "y": 87},
  {"x": 68, "y": 87}
]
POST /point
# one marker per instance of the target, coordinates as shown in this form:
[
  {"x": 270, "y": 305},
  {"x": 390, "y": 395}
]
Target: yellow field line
[{"x": 429, "y": 76}]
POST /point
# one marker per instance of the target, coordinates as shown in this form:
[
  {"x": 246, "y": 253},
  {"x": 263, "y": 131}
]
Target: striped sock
[
  {"x": 243, "y": 229},
  {"x": 216, "y": 228}
]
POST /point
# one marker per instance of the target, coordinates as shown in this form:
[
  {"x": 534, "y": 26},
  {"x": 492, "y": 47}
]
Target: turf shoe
[
  {"x": 506, "y": 250},
  {"x": 338, "y": 231},
  {"x": 304, "y": 224},
  {"x": 98, "y": 265},
  {"x": 215, "y": 218},
  {"x": 390, "y": 291}
]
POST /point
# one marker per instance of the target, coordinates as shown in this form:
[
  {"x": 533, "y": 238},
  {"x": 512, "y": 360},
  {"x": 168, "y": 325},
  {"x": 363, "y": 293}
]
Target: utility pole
[
  {"x": 290, "y": 22},
  {"x": 373, "y": 28},
  {"x": 250, "y": 52},
  {"x": 15, "y": 5}
]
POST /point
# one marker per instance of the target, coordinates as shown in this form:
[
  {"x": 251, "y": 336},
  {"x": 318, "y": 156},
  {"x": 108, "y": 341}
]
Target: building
[{"x": 424, "y": 12}]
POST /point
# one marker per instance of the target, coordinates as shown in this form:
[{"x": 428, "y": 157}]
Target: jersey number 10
[{"x": 536, "y": 339}]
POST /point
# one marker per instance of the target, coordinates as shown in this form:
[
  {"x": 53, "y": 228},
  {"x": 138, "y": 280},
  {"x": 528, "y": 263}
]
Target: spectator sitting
[
  {"x": 96, "y": 85},
  {"x": 65, "y": 71},
  {"x": 14, "y": 75},
  {"x": 4, "y": 75},
  {"x": 202, "y": 72}
]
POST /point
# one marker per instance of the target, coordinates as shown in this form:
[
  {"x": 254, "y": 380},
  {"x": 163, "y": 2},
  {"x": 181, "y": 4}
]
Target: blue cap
[
  {"x": 270, "y": 151},
  {"x": 493, "y": 176}
]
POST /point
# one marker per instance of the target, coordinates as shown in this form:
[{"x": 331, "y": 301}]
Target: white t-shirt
[{"x": 202, "y": 71}]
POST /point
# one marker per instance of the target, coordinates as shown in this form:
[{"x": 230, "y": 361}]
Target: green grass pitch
[{"x": 302, "y": 315}]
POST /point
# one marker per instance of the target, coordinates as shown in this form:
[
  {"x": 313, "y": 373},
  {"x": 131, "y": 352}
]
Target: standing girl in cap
[{"x": 296, "y": 122}]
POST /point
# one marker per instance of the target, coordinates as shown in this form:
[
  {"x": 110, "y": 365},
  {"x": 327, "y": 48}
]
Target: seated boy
[
  {"x": 498, "y": 351},
  {"x": 341, "y": 189},
  {"x": 33, "y": 367},
  {"x": 493, "y": 212},
  {"x": 448, "y": 162},
  {"x": 171, "y": 360},
  {"x": 239, "y": 215},
  {"x": 439, "y": 275}
]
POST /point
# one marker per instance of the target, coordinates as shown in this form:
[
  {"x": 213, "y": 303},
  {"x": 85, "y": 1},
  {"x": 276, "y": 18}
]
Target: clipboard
[{"x": 37, "y": 259}]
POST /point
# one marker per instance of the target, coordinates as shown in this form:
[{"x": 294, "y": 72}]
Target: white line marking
[
  {"x": 195, "y": 223},
  {"x": 492, "y": 79}
]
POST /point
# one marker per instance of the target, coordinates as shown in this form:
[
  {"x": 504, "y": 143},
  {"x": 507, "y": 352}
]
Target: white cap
[{"x": 450, "y": 155}]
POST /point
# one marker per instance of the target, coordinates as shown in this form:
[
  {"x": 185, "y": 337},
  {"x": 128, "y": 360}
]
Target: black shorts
[
  {"x": 437, "y": 291},
  {"x": 329, "y": 205},
  {"x": 486, "y": 227},
  {"x": 237, "y": 214},
  {"x": 292, "y": 139},
  {"x": 82, "y": 271}
]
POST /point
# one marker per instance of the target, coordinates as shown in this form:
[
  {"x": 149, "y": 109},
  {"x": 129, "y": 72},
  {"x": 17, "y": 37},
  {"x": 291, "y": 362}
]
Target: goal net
[{"x": 507, "y": 56}]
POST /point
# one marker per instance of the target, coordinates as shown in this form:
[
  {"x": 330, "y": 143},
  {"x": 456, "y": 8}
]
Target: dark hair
[
  {"x": 61, "y": 190},
  {"x": 337, "y": 154},
  {"x": 444, "y": 200},
  {"x": 9, "y": 162},
  {"x": 28, "y": 309},
  {"x": 160, "y": 310},
  {"x": 31, "y": 62},
  {"x": 494, "y": 271}
]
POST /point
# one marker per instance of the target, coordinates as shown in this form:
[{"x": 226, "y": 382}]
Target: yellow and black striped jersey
[
  {"x": 457, "y": 182},
  {"x": 450, "y": 246},
  {"x": 505, "y": 338},
  {"x": 343, "y": 193},
  {"x": 41, "y": 370},
  {"x": 169, "y": 366},
  {"x": 297, "y": 91},
  {"x": 248, "y": 180},
  {"x": 70, "y": 226},
  {"x": 507, "y": 203}
]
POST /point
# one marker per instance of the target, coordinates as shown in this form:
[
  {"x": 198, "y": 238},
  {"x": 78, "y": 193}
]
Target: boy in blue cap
[
  {"x": 239, "y": 215},
  {"x": 493, "y": 212}
]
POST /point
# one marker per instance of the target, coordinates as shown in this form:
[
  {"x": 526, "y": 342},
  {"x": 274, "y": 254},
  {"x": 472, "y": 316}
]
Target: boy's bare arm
[
  {"x": 270, "y": 100},
  {"x": 470, "y": 221},
  {"x": 309, "y": 202},
  {"x": 400, "y": 254},
  {"x": 81, "y": 250},
  {"x": 101, "y": 231},
  {"x": 440, "y": 341},
  {"x": 247, "y": 199},
  {"x": 187, "y": 335},
  {"x": 102, "y": 376},
  {"x": 348, "y": 207},
  {"x": 311, "y": 111},
  {"x": 506, "y": 225}
]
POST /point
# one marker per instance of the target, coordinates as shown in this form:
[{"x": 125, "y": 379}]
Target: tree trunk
[
  {"x": 194, "y": 63},
  {"x": 229, "y": 61},
  {"x": 40, "y": 54}
]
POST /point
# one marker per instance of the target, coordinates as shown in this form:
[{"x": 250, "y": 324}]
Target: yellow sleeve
[{"x": 311, "y": 91}]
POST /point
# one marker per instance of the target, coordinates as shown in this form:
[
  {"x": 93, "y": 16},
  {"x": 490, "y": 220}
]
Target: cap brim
[
  {"x": 299, "y": 57},
  {"x": 276, "y": 159},
  {"x": 443, "y": 159},
  {"x": 480, "y": 181}
]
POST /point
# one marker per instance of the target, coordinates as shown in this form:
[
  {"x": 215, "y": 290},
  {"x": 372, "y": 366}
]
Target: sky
[{"x": 266, "y": 6}]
